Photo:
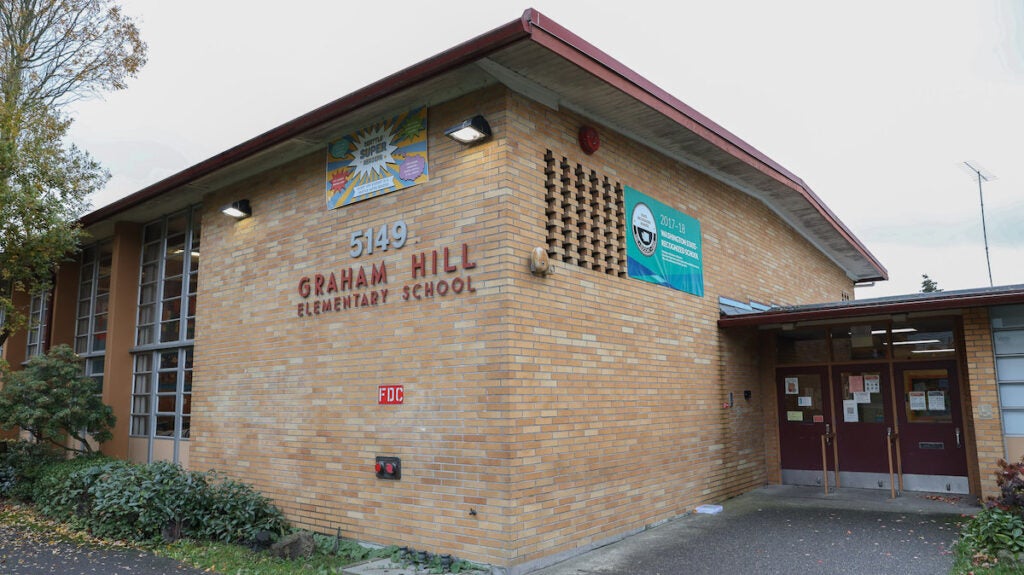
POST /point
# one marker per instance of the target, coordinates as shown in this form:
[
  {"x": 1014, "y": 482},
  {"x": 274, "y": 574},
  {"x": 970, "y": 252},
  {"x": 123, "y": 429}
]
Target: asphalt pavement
[{"x": 792, "y": 530}]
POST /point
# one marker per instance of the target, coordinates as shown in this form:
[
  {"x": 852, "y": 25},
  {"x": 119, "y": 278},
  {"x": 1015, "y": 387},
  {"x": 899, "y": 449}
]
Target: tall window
[
  {"x": 38, "y": 319},
  {"x": 93, "y": 307},
  {"x": 162, "y": 392}
]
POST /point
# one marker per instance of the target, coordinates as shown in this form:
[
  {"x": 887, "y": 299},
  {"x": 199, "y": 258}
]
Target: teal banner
[{"x": 663, "y": 245}]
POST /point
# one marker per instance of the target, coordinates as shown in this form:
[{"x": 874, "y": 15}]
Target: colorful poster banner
[
  {"x": 388, "y": 156},
  {"x": 663, "y": 246}
]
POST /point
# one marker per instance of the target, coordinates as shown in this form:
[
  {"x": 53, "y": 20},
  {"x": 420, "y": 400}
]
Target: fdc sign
[{"x": 390, "y": 394}]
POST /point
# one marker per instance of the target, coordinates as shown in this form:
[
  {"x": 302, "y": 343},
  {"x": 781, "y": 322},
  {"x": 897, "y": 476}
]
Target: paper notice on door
[
  {"x": 792, "y": 386},
  {"x": 856, "y": 384},
  {"x": 936, "y": 401},
  {"x": 850, "y": 411},
  {"x": 917, "y": 401},
  {"x": 862, "y": 397},
  {"x": 794, "y": 416},
  {"x": 871, "y": 383},
  {"x": 803, "y": 401},
  {"x": 819, "y": 419}
]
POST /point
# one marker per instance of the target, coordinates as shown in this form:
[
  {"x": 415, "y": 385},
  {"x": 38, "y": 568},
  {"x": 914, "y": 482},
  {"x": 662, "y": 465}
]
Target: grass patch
[
  {"x": 966, "y": 561},
  {"x": 237, "y": 560}
]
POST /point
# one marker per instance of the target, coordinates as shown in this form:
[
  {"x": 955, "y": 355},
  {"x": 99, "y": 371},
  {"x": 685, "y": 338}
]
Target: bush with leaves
[
  {"x": 21, "y": 463},
  {"x": 994, "y": 533},
  {"x": 235, "y": 512},
  {"x": 160, "y": 500},
  {"x": 52, "y": 399}
]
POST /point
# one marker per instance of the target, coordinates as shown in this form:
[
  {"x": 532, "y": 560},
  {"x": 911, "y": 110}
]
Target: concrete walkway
[{"x": 792, "y": 530}]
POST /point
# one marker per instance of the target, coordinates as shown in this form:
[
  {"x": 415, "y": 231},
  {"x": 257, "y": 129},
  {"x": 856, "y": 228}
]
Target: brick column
[{"x": 982, "y": 393}]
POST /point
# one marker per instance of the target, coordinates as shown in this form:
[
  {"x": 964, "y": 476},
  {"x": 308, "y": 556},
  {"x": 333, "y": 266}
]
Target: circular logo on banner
[{"x": 645, "y": 231}]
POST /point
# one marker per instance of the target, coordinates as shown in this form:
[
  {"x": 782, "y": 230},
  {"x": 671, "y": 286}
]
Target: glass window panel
[
  {"x": 82, "y": 344},
  {"x": 85, "y": 289},
  {"x": 102, "y": 303},
  {"x": 140, "y": 404},
  {"x": 186, "y": 427},
  {"x": 803, "y": 386},
  {"x": 106, "y": 261},
  {"x": 143, "y": 362},
  {"x": 147, "y": 294},
  {"x": 85, "y": 308},
  {"x": 171, "y": 309},
  {"x": 172, "y": 288},
  {"x": 167, "y": 382},
  {"x": 99, "y": 341},
  {"x": 191, "y": 306},
  {"x": 924, "y": 339},
  {"x": 801, "y": 346},
  {"x": 1009, "y": 342},
  {"x": 186, "y": 404},
  {"x": 151, "y": 253},
  {"x": 852, "y": 342},
  {"x": 152, "y": 232},
  {"x": 169, "y": 331},
  {"x": 1007, "y": 316},
  {"x": 166, "y": 403},
  {"x": 145, "y": 335},
  {"x": 175, "y": 244},
  {"x": 142, "y": 383},
  {"x": 190, "y": 328},
  {"x": 1010, "y": 368},
  {"x": 1011, "y": 395},
  {"x": 169, "y": 359},
  {"x": 100, "y": 322},
  {"x": 98, "y": 390},
  {"x": 140, "y": 425},
  {"x": 175, "y": 264},
  {"x": 193, "y": 283},
  {"x": 165, "y": 426},
  {"x": 82, "y": 327},
  {"x": 187, "y": 383},
  {"x": 188, "y": 358},
  {"x": 177, "y": 224},
  {"x": 1013, "y": 422},
  {"x": 96, "y": 365},
  {"x": 103, "y": 285}
]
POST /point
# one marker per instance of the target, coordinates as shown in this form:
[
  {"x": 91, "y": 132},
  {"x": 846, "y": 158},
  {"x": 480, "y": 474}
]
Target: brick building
[{"x": 605, "y": 312}]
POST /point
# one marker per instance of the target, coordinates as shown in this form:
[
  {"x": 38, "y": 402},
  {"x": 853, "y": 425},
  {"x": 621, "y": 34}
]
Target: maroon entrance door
[
  {"x": 863, "y": 405},
  {"x": 804, "y": 412},
  {"x": 931, "y": 427}
]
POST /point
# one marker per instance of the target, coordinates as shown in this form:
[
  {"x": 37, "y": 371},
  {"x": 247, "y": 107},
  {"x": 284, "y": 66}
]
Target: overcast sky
[{"x": 874, "y": 104}]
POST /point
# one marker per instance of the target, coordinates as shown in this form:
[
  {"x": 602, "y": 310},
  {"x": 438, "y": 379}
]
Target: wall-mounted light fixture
[
  {"x": 540, "y": 265},
  {"x": 470, "y": 131},
  {"x": 238, "y": 209}
]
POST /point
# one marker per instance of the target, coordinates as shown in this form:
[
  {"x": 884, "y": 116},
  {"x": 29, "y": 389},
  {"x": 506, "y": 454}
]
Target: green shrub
[
  {"x": 62, "y": 489},
  {"x": 235, "y": 512},
  {"x": 21, "y": 463},
  {"x": 140, "y": 502},
  {"x": 994, "y": 530}
]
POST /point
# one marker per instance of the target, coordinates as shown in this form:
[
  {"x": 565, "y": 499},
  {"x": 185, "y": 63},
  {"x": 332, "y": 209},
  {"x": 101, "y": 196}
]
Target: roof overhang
[
  {"x": 540, "y": 59},
  {"x": 907, "y": 304}
]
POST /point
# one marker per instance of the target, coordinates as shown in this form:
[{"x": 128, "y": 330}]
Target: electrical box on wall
[{"x": 388, "y": 468}]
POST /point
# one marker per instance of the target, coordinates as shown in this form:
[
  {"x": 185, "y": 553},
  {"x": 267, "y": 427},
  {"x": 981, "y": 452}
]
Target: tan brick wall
[
  {"x": 561, "y": 410},
  {"x": 983, "y": 398}
]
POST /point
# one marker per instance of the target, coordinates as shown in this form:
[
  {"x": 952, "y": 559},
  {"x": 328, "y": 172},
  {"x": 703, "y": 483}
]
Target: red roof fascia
[{"x": 577, "y": 50}]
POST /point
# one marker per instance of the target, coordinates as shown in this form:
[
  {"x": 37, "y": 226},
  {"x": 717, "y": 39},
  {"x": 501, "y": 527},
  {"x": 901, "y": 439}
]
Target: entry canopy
[
  {"x": 884, "y": 306},
  {"x": 543, "y": 61}
]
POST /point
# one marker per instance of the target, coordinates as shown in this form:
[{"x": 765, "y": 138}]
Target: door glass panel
[
  {"x": 802, "y": 401},
  {"x": 926, "y": 393},
  {"x": 862, "y": 397}
]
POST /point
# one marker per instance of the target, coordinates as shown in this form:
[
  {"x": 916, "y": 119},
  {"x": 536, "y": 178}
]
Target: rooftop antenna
[{"x": 982, "y": 175}]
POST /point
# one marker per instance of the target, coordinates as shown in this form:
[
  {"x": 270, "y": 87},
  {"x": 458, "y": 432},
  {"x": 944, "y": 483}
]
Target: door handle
[{"x": 957, "y": 434}]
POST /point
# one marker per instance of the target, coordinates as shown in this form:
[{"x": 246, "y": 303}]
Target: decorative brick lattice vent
[{"x": 586, "y": 217}]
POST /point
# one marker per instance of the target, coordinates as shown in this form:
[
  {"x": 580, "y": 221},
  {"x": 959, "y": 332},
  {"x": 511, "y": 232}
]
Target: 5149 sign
[{"x": 378, "y": 239}]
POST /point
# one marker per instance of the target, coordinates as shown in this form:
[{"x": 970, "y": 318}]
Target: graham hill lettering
[{"x": 441, "y": 273}]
